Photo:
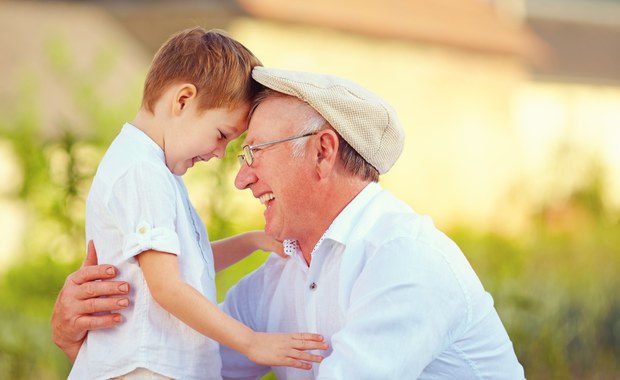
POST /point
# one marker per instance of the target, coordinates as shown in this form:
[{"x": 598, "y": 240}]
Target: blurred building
[
  {"x": 488, "y": 91},
  {"x": 507, "y": 103}
]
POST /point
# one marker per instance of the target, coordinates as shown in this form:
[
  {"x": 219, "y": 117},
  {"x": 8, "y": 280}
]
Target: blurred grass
[
  {"x": 555, "y": 285},
  {"x": 556, "y": 292}
]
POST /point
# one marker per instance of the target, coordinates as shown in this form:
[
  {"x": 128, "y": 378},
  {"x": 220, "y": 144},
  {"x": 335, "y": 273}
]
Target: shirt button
[
  {"x": 312, "y": 286},
  {"x": 142, "y": 230}
]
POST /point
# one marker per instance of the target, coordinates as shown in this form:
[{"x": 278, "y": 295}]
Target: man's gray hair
[{"x": 313, "y": 121}]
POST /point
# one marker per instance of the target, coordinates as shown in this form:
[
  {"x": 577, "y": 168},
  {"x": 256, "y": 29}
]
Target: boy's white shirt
[{"x": 136, "y": 204}]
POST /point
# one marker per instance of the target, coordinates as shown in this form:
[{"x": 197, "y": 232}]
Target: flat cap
[{"x": 366, "y": 121}]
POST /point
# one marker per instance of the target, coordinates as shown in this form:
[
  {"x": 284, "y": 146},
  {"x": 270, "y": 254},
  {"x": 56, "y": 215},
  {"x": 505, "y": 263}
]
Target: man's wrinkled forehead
[
  {"x": 270, "y": 118},
  {"x": 254, "y": 125}
]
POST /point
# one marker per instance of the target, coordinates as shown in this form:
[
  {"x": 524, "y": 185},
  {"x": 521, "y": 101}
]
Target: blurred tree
[{"x": 56, "y": 169}]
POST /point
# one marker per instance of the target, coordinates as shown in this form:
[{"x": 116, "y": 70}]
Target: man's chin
[{"x": 272, "y": 232}]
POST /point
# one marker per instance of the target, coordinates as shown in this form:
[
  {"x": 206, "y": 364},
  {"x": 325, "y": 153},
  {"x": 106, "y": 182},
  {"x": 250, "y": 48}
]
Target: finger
[
  {"x": 306, "y": 356},
  {"x": 308, "y": 336},
  {"x": 279, "y": 249},
  {"x": 98, "y": 322},
  {"x": 281, "y": 254},
  {"x": 91, "y": 255},
  {"x": 98, "y": 305},
  {"x": 92, "y": 273},
  {"x": 302, "y": 365},
  {"x": 311, "y": 345},
  {"x": 95, "y": 289},
  {"x": 309, "y": 341},
  {"x": 290, "y": 362}
]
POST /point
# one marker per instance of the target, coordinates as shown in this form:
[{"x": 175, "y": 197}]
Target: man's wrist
[{"x": 70, "y": 349}]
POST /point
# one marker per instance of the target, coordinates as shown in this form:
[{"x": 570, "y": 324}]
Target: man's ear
[
  {"x": 185, "y": 94},
  {"x": 327, "y": 152}
]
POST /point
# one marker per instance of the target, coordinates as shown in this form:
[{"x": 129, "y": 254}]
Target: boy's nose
[{"x": 219, "y": 151}]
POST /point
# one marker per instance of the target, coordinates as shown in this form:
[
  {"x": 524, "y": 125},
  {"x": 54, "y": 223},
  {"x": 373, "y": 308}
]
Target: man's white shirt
[{"x": 394, "y": 297}]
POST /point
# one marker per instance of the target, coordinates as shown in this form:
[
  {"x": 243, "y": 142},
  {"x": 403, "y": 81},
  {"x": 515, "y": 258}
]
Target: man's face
[{"x": 278, "y": 179}]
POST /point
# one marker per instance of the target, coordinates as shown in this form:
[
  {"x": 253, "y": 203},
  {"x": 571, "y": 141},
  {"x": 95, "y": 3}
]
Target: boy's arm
[
  {"x": 161, "y": 271},
  {"x": 228, "y": 251}
]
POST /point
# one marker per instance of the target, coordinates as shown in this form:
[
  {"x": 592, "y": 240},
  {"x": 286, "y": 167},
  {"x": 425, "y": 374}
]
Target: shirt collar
[
  {"x": 136, "y": 133},
  {"x": 341, "y": 227}
]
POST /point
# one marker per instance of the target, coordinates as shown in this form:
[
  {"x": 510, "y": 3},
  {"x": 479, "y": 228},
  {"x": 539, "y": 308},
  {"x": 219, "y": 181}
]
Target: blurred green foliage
[{"x": 555, "y": 285}]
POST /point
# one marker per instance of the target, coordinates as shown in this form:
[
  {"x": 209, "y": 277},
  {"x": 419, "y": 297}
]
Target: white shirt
[
  {"x": 394, "y": 297},
  {"x": 136, "y": 204}
]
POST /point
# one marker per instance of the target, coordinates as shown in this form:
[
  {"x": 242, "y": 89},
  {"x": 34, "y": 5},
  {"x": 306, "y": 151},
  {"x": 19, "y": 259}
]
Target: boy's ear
[{"x": 185, "y": 94}]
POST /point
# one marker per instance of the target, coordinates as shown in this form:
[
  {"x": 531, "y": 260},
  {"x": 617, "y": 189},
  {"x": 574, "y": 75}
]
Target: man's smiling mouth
[{"x": 266, "y": 198}]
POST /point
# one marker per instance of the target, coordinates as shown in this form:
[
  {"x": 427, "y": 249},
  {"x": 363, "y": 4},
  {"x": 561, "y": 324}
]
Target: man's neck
[{"x": 335, "y": 201}]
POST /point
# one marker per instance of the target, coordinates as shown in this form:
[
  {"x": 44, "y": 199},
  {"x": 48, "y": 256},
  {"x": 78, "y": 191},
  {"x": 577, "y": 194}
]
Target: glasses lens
[{"x": 247, "y": 155}]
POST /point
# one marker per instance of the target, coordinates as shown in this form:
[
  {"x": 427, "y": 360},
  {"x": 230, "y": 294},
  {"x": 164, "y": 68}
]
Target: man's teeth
[{"x": 266, "y": 198}]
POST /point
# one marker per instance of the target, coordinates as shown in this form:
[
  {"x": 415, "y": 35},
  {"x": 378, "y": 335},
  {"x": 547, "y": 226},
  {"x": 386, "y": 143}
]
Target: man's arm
[
  {"x": 80, "y": 298},
  {"x": 405, "y": 307}
]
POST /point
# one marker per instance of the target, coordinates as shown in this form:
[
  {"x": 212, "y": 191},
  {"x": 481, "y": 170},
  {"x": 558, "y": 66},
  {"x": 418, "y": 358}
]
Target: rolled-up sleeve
[{"x": 142, "y": 205}]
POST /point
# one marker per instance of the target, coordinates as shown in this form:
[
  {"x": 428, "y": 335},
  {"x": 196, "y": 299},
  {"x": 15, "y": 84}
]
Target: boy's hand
[
  {"x": 268, "y": 244},
  {"x": 290, "y": 350}
]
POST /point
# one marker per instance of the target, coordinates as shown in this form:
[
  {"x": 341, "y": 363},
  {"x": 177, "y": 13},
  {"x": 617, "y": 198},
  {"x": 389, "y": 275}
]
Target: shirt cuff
[{"x": 146, "y": 237}]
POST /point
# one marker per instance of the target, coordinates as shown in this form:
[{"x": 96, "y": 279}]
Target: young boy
[{"x": 196, "y": 100}]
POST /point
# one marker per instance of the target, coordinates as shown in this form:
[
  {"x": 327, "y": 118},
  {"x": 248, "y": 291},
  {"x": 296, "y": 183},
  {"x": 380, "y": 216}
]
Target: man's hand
[{"x": 79, "y": 300}]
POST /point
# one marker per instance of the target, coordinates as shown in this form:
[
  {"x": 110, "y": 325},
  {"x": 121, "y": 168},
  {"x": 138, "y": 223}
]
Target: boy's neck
[{"x": 148, "y": 123}]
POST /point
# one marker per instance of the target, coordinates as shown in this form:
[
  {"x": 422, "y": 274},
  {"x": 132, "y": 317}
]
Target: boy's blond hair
[{"x": 219, "y": 66}]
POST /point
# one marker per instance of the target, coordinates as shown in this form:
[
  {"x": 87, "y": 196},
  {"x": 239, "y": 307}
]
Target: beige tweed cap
[{"x": 367, "y": 122}]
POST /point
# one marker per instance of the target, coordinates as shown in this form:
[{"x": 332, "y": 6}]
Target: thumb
[
  {"x": 91, "y": 255},
  {"x": 278, "y": 248}
]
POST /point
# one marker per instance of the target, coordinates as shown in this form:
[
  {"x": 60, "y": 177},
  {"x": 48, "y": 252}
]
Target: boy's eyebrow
[
  {"x": 232, "y": 129},
  {"x": 228, "y": 131}
]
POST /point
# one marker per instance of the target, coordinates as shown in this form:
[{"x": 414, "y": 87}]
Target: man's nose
[{"x": 245, "y": 177}]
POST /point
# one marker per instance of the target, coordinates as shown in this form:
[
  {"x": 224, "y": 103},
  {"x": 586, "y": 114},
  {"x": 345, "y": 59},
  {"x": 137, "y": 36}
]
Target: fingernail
[
  {"x": 123, "y": 288},
  {"x": 110, "y": 271},
  {"x": 117, "y": 318},
  {"x": 124, "y": 302}
]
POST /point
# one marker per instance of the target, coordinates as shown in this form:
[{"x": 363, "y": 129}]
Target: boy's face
[{"x": 200, "y": 135}]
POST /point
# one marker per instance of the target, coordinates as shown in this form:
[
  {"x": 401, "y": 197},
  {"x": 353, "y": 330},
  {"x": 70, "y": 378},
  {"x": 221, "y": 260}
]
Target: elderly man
[{"x": 394, "y": 296}]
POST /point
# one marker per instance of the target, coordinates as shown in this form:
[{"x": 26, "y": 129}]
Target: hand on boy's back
[{"x": 86, "y": 303}]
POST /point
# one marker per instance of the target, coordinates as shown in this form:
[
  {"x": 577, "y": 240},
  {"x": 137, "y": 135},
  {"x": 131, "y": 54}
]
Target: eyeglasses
[{"x": 248, "y": 156}]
